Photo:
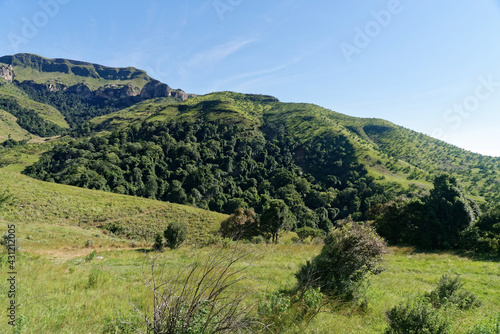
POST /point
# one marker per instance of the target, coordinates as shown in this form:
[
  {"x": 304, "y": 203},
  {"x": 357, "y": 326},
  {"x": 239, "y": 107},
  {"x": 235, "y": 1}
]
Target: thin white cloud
[
  {"x": 215, "y": 55},
  {"x": 240, "y": 77}
]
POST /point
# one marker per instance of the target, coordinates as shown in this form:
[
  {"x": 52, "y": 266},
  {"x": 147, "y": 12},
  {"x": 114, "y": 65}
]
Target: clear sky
[{"x": 431, "y": 66}]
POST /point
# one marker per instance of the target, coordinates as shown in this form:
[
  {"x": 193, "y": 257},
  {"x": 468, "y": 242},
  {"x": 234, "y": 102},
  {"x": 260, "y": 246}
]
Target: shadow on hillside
[{"x": 475, "y": 256}]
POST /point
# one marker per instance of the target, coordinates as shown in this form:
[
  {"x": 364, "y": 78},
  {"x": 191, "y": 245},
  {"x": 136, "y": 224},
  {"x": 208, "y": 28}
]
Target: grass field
[
  {"x": 66, "y": 298},
  {"x": 60, "y": 290}
]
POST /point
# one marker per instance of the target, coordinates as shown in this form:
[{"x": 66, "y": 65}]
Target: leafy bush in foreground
[
  {"x": 450, "y": 291},
  {"x": 351, "y": 252},
  {"x": 415, "y": 317}
]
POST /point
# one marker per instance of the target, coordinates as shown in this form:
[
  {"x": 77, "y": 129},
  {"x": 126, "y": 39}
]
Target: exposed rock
[
  {"x": 6, "y": 72},
  {"x": 81, "y": 89},
  {"x": 180, "y": 94},
  {"x": 119, "y": 92},
  {"x": 155, "y": 88},
  {"x": 50, "y": 86}
]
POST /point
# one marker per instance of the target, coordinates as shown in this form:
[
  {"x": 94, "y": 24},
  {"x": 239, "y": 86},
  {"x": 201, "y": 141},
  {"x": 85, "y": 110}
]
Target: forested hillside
[{"x": 134, "y": 135}]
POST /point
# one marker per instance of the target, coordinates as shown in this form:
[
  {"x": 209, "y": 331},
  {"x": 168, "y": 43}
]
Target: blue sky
[{"x": 431, "y": 66}]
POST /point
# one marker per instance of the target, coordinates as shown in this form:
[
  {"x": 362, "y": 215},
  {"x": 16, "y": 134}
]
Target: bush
[
  {"x": 89, "y": 243},
  {"x": 91, "y": 256},
  {"x": 284, "y": 310},
  {"x": 351, "y": 252},
  {"x": 417, "y": 316},
  {"x": 158, "y": 245},
  {"x": 204, "y": 297},
  {"x": 175, "y": 234},
  {"x": 450, "y": 291},
  {"x": 242, "y": 224},
  {"x": 305, "y": 232},
  {"x": 258, "y": 240}
]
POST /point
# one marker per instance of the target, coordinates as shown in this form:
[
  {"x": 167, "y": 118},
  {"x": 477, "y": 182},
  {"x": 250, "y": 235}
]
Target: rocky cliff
[
  {"x": 123, "y": 86},
  {"x": 6, "y": 72}
]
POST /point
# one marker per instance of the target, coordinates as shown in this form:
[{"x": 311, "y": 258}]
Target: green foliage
[
  {"x": 75, "y": 108},
  {"x": 350, "y": 253},
  {"x": 158, "y": 244},
  {"x": 242, "y": 224},
  {"x": 275, "y": 218},
  {"x": 9, "y": 143},
  {"x": 308, "y": 232},
  {"x": 415, "y": 317},
  {"x": 284, "y": 310},
  {"x": 484, "y": 235},
  {"x": 30, "y": 120},
  {"x": 91, "y": 256},
  {"x": 491, "y": 326},
  {"x": 273, "y": 304},
  {"x": 220, "y": 167},
  {"x": 258, "y": 239},
  {"x": 175, "y": 234},
  {"x": 449, "y": 291},
  {"x": 435, "y": 221},
  {"x": 89, "y": 243}
]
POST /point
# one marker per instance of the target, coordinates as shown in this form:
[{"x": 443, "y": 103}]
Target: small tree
[
  {"x": 175, "y": 234},
  {"x": 351, "y": 252},
  {"x": 158, "y": 245},
  {"x": 242, "y": 224},
  {"x": 275, "y": 218}
]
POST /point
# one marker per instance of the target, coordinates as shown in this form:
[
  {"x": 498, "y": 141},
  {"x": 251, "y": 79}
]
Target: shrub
[
  {"x": 242, "y": 224},
  {"x": 89, "y": 243},
  {"x": 305, "y": 232},
  {"x": 204, "y": 297},
  {"x": 175, "y": 234},
  {"x": 351, "y": 252},
  {"x": 258, "y": 239},
  {"x": 450, "y": 291},
  {"x": 158, "y": 244},
  {"x": 90, "y": 257},
  {"x": 417, "y": 316}
]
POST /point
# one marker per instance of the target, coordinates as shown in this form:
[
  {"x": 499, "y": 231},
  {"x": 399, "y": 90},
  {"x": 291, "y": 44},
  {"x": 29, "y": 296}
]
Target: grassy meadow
[{"x": 62, "y": 288}]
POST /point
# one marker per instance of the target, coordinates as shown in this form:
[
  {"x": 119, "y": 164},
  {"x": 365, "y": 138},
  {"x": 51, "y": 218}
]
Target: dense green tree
[
  {"x": 275, "y": 218},
  {"x": 432, "y": 222},
  {"x": 175, "y": 234}
]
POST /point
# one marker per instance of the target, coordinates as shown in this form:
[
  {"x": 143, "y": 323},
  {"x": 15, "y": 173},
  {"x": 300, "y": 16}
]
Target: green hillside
[
  {"x": 46, "y": 112},
  {"x": 45, "y": 203}
]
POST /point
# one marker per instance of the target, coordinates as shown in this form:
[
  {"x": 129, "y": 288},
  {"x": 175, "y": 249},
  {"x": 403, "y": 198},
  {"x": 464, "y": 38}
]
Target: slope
[
  {"x": 46, "y": 112},
  {"x": 37, "y": 202}
]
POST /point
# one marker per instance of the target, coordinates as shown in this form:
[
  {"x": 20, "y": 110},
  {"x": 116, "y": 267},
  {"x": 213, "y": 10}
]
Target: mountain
[
  {"x": 130, "y": 134},
  {"x": 66, "y": 93}
]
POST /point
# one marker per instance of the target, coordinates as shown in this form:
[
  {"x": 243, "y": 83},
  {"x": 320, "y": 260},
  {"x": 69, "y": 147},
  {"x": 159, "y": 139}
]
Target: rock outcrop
[
  {"x": 155, "y": 88},
  {"x": 128, "y": 93},
  {"x": 6, "y": 72}
]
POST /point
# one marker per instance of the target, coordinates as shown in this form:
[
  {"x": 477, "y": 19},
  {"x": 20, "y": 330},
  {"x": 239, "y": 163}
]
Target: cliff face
[
  {"x": 155, "y": 88},
  {"x": 6, "y": 72},
  {"x": 74, "y": 67},
  {"x": 127, "y": 90}
]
